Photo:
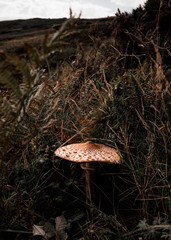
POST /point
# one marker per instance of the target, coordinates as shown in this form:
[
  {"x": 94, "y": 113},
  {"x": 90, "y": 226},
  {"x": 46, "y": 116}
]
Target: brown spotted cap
[{"x": 88, "y": 152}]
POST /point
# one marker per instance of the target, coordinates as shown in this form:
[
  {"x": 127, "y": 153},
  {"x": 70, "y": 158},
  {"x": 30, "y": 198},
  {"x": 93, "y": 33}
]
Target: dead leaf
[
  {"x": 61, "y": 224},
  {"x": 47, "y": 231},
  {"x": 38, "y": 231}
]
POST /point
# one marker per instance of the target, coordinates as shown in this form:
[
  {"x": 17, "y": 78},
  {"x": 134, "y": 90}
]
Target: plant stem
[{"x": 88, "y": 190}]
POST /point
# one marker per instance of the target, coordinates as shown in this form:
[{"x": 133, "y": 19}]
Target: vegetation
[{"x": 115, "y": 91}]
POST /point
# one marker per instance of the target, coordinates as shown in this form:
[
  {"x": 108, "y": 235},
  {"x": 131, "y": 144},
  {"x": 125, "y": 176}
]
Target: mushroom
[{"x": 86, "y": 153}]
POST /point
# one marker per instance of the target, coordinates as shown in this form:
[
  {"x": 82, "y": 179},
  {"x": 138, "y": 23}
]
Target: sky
[{"x": 25, "y": 9}]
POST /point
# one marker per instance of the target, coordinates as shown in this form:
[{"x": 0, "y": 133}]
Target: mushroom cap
[{"x": 88, "y": 152}]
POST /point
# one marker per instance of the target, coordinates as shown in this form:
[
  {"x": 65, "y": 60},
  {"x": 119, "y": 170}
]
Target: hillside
[{"x": 107, "y": 81}]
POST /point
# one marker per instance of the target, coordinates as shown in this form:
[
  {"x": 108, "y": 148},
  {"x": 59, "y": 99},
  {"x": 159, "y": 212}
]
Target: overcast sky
[{"x": 24, "y": 9}]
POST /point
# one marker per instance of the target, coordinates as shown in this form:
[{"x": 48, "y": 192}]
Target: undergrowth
[{"x": 107, "y": 93}]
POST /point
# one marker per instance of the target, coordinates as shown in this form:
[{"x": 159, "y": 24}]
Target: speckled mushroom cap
[{"x": 88, "y": 152}]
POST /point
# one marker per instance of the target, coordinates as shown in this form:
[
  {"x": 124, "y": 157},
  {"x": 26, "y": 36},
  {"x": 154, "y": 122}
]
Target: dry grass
[{"x": 95, "y": 94}]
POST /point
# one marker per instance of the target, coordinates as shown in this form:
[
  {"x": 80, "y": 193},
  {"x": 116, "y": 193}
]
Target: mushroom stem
[
  {"x": 88, "y": 169},
  {"x": 88, "y": 183},
  {"x": 88, "y": 190}
]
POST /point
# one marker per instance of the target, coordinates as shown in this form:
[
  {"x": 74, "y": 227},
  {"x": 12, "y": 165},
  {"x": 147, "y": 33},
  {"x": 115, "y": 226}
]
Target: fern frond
[
  {"x": 10, "y": 82},
  {"x": 22, "y": 66},
  {"x": 34, "y": 56}
]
